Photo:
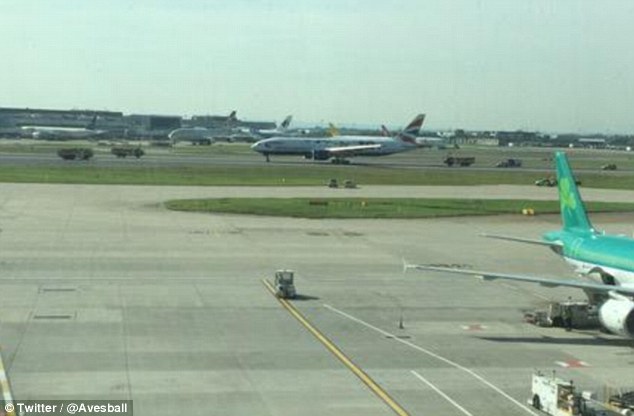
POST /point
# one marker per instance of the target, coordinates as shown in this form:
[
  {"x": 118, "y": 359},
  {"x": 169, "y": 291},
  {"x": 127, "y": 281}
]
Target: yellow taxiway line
[{"x": 365, "y": 378}]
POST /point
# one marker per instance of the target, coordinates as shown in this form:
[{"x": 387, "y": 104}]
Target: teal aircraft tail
[{"x": 573, "y": 212}]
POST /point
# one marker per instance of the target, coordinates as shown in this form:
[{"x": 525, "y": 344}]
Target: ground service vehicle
[
  {"x": 349, "y": 184},
  {"x": 546, "y": 182},
  {"x": 550, "y": 181},
  {"x": 509, "y": 163},
  {"x": 609, "y": 166},
  {"x": 76, "y": 153},
  {"x": 127, "y": 151},
  {"x": 459, "y": 161},
  {"x": 284, "y": 287},
  {"x": 582, "y": 315},
  {"x": 557, "y": 397},
  {"x": 624, "y": 402}
]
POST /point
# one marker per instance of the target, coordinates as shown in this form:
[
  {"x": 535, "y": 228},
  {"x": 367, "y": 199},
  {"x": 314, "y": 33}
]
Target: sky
[{"x": 547, "y": 65}]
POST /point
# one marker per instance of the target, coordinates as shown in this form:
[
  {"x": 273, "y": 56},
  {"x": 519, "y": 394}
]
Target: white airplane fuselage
[
  {"x": 42, "y": 132},
  {"x": 308, "y": 146},
  {"x": 191, "y": 133}
]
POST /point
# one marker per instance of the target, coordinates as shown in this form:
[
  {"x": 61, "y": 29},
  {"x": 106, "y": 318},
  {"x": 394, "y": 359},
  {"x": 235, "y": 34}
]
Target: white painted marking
[
  {"x": 437, "y": 390},
  {"x": 572, "y": 364},
  {"x": 474, "y": 327},
  {"x": 436, "y": 356}
]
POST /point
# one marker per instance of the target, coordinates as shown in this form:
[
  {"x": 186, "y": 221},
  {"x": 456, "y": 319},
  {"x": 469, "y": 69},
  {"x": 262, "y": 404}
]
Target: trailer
[
  {"x": 75, "y": 153},
  {"x": 459, "y": 160},
  {"x": 127, "y": 151},
  {"x": 509, "y": 163}
]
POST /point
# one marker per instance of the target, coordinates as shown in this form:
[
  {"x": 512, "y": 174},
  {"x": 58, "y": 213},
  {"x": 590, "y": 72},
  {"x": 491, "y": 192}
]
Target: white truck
[
  {"x": 581, "y": 315},
  {"x": 557, "y": 397}
]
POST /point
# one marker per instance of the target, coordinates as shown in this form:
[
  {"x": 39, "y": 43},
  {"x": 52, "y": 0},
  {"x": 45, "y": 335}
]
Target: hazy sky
[{"x": 550, "y": 65}]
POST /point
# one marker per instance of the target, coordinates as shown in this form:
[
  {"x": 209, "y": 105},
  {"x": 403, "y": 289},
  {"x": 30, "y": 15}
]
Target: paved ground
[
  {"x": 108, "y": 295},
  {"x": 535, "y": 160}
]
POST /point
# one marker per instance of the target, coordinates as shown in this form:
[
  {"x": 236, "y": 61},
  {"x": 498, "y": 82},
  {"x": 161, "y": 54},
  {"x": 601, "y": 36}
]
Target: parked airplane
[
  {"x": 203, "y": 135},
  {"x": 605, "y": 260},
  {"x": 63, "y": 133},
  {"x": 342, "y": 147},
  {"x": 280, "y": 130}
]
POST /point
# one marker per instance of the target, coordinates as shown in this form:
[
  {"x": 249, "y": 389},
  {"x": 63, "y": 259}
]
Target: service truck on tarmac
[
  {"x": 557, "y": 397},
  {"x": 459, "y": 160},
  {"x": 124, "y": 151}
]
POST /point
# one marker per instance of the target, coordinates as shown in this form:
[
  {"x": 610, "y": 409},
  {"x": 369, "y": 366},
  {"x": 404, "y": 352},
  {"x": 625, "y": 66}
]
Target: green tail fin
[{"x": 573, "y": 211}]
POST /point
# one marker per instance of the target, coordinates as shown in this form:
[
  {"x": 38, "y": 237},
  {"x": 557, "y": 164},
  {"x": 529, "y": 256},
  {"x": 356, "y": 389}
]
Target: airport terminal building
[{"x": 115, "y": 123}]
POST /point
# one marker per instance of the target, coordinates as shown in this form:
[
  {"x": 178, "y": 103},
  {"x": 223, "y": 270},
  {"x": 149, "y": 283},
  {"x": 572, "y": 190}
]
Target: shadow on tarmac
[{"x": 591, "y": 340}]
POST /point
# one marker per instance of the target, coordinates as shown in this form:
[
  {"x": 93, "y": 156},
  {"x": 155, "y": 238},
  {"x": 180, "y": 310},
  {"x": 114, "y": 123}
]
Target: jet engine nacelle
[
  {"x": 321, "y": 155},
  {"x": 617, "y": 316}
]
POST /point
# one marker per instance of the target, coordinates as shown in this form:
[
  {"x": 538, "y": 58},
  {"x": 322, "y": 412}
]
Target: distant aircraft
[
  {"x": 420, "y": 141},
  {"x": 63, "y": 133},
  {"x": 342, "y": 147},
  {"x": 606, "y": 260},
  {"x": 280, "y": 130},
  {"x": 333, "y": 131},
  {"x": 203, "y": 135}
]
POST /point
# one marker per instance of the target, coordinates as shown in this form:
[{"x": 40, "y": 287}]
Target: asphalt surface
[
  {"x": 424, "y": 159},
  {"x": 107, "y": 295}
]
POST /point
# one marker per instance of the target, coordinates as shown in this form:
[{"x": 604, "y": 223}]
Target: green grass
[
  {"x": 279, "y": 175},
  {"x": 312, "y": 174},
  {"x": 376, "y": 207}
]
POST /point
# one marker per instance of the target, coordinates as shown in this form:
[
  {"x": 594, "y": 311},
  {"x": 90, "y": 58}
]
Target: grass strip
[{"x": 377, "y": 207}]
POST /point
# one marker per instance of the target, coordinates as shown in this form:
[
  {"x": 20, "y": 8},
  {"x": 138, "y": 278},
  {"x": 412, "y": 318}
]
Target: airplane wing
[
  {"x": 523, "y": 240},
  {"x": 351, "y": 150},
  {"x": 595, "y": 287}
]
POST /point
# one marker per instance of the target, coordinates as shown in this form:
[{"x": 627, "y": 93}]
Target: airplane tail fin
[
  {"x": 573, "y": 211},
  {"x": 93, "y": 123},
  {"x": 410, "y": 132},
  {"x": 286, "y": 123},
  {"x": 232, "y": 117},
  {"x": 384, "y": 131},
  {"x": 332, "y": 130}
]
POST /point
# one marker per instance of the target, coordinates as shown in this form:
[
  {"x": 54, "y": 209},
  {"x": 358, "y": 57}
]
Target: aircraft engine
[
  {"x": 321, "y": 155},
  {"x": 617, "y": 316}
]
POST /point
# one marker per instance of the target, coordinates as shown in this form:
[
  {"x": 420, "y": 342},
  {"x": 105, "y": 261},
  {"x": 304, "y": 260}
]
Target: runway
[
  {"x": 535, "y": 161},
  {"x": 107, "y": 295}
]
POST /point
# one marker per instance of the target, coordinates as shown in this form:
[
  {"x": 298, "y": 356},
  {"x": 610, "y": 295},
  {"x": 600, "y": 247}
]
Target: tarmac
[{"x": 108, "y": 295}]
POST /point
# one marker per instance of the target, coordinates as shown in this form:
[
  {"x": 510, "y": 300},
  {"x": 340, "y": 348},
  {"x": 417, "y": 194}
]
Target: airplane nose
[{"x": 255, "y": 146}]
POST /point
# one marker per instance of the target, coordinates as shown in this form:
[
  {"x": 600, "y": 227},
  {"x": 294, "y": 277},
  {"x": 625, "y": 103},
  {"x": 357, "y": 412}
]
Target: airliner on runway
[
  {"x": 607, "y": 261},
  {"x": 342, "y": 147},
  {"x": 63, "y": 133}
]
